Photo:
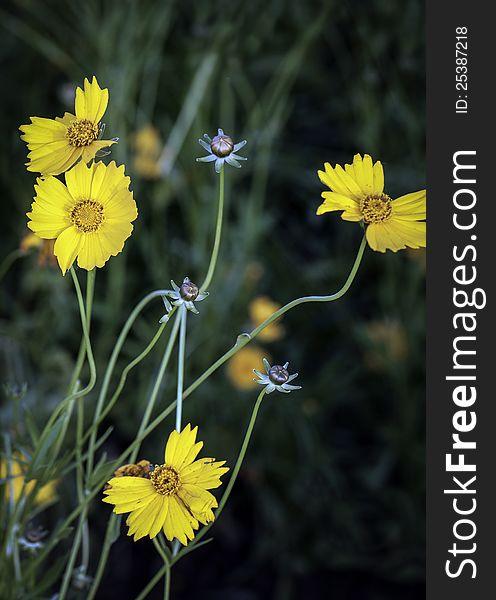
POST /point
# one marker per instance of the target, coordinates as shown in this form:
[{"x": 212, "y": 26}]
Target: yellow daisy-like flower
[
  {"x": 12, "y": 476},
  {"x": 57, "y": 144},
  {"x": 358, "y": 190},
  {"x": 90, "y": 216},
  {"x": 174, "y": 498},
  {"x": 262, "y": 308},
  {"x": 240, "y": 367}
]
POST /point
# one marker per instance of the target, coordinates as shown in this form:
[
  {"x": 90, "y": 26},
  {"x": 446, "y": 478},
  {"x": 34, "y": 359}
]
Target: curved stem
[
  {"x": 110, "y": 369},
  {"x": 240, "y": 343},
  {"x": 180, "y": 368},
  {"x": 144, "y": 422},
  {"x": 158, "y": 382},
  {"x": 245, "y": 338},
  {"x": 218, "y": 235},
  {"x": 234, "y": 475}
]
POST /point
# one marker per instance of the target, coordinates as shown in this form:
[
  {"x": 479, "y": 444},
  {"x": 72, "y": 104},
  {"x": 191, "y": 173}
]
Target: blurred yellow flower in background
[
  {"x": 90, "y": 217},
  {"x": 57, "y": 144},
  {"x": 358, "y": 191},
  {"x": 260, "y": 309},
  {"x": 14, "y": 484},
  {"x": 147, "y": 149},
  {"x": 46, "y": 257},
  {"x": 387, "y": 344},
  {"x": 175, "y": 497},
  {"x": 240, "y": 367}
]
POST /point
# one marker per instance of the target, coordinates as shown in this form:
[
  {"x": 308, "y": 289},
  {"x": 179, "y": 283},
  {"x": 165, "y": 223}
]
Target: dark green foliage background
[{"x": 331, "y": 498}]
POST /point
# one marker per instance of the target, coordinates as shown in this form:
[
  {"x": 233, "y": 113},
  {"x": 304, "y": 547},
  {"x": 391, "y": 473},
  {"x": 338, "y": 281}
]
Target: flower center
[
  {"x": 188, "y": 291},
  {"x": 222, "y": 145},
  {"x": 376, "y": 208},
  {"x": 165, "y": 480},
  {"x": 87, "y": 216},
  {"x": 278, "y": 375},
  {"x": 82, "y": 132}
]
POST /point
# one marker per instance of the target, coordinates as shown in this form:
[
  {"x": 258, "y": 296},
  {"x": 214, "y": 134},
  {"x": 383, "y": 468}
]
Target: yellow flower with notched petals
[
  {"x": 260, "y": 309},
  {"x": 358, "y": 190},
  {"x": 12, "y": 476},
  {"x": 57, "y": 144},
  {"x": 240, "y": 367},
  {"x": 175, "y": 497},
  {"x": 90, "y": 216}
]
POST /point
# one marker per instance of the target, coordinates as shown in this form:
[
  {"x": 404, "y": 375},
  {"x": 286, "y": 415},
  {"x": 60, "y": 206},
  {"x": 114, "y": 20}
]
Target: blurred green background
[{"x": 330, "y": 501}]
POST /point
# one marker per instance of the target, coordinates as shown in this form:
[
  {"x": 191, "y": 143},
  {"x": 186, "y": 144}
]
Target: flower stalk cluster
[{"x": 86, "y": 207}]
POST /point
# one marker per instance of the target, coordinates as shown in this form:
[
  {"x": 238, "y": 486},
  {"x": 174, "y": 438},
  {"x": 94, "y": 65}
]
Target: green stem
[
  {"x": 110, "y": 369},
  {"x": 167, "y": 568},
  {"x": 218, "y": 235},
  {"x": 82, "y": 530},
  {"x": 180, "y": 368},
  {"x": 242, "y": 341},
  {"x": 122, "y": 382},
  {"x": 245, "y": 338},
  {"x": 158, "y": 382},
  {"x": 234, "y": 475},
  {"x": 144, "y": 422}
]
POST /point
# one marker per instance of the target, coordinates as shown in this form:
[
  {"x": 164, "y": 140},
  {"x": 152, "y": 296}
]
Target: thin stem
[
  {"x": 110, "y": 369},
  {"x": 144, "y": 422},
  {"x": 159, "y": 549},
  {"x": 218, "y": 235},
  {"x": 152, "y": 583},
  {"x": 245, "y": 338},
  {"x": 158, "y": 382},
  {"x": 82, "y": 530},
  {"x": 180, "y": 368},
  {"x": 240, "y": 343},
  {"x": 234, "y": 475}
]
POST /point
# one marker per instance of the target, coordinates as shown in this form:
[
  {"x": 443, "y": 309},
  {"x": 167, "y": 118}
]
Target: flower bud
[
  {"x": 222, "y": 145},
  {"x": 188, "y": 291},
  {"x": 278, "y": 375}
]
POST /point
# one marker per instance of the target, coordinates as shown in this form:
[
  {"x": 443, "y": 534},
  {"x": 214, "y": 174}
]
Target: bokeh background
[{"x": 330, "y": 501}]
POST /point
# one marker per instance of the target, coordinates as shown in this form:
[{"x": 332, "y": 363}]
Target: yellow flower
[
  {"x": 148, "y": 147},
  {"x": 240, "y": 367},
  {"x": 174, "y": 498},
  {"x": 260, "y": 309},
  {"x": 57, "y": 144},
  {"x": 358, "y": 190},
  {"x": 90, "y": 216},
  {"x": 15, "y": 483}
]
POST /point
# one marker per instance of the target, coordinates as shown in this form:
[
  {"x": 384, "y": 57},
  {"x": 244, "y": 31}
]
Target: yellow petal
[
  {"x": 362, "y": 172},
  {"x": 204, "y": 472},
  {"x": 90, "y": 253},
  {"x": 396, "y": 235},
  {"x": 334, "y": 201},
  {"x": 91, "y": 103},
  {"x": 66, "y": 247},
  {"x": 378, "y": 178},
  {"x": 89, "y": 152},
  {"x": 43, "y": 131},
  {"x": 78, "y": 181},
  {"x": 179, "y": 446},
  {"x": 410, "y": 207}
]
